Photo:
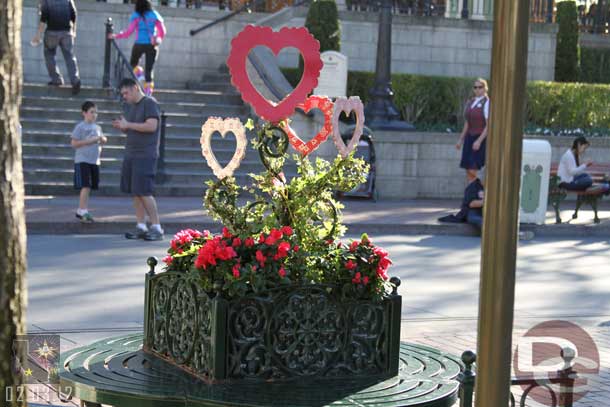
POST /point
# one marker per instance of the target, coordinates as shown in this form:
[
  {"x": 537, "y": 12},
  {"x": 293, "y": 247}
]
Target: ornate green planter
[{"x": 291, "y": 332}]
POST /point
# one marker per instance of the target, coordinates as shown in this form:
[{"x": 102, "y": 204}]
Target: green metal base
[{"x": 116, "y": 371}]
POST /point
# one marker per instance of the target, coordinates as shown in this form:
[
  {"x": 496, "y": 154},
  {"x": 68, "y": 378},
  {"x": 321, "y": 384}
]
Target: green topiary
[
  {"x": 594, "y": 65},
  {"x": 323, "y": 23},
  {"x": 434, "y": 102},
  {"x": 567, "y": 55}
]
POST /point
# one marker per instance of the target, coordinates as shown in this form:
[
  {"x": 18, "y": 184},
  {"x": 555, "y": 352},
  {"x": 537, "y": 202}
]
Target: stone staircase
[{"x": 48, "y": 116}]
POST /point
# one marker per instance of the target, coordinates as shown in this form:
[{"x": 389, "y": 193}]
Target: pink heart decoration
[
  {"x": 225, "y": 126},
  {"x": 313, "y": 102},
  {"x": 253, "y": 36},
  {"x": 353, "y": 104}
]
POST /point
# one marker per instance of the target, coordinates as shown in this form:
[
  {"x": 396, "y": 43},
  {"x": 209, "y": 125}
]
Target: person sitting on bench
[{"x": 571, "y": 172}]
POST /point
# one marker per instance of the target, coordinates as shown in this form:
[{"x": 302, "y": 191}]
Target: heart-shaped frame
[
  {"x": 353, "y": 104},
  {"x": 313, "y": 102},
  {"x": 253, "y": 36},
  {"x": 233, "y": 125}
]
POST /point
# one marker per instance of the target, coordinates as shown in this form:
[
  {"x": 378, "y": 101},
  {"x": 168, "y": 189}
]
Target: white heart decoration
[
  {"x": 231, "y": 124},
  {"x": 353, "y": 104}
]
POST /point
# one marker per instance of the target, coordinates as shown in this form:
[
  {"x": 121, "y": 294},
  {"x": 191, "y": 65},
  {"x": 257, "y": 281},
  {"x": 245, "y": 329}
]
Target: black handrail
[
  {"x": 246, "y": 6},
  {"x": 565, "y": 378}
]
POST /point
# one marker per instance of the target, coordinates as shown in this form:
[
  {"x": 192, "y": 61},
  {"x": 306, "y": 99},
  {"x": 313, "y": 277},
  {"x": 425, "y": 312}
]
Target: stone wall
[
  {"x": 426, "y": 165},
  {"x": 421, "y": 45}
]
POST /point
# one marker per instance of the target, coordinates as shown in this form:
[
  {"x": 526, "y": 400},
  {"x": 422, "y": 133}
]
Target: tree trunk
[{"x": 12, "y": 217}]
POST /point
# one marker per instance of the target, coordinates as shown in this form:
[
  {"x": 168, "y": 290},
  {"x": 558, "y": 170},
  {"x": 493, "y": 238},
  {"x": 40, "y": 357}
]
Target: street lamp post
[{"x": 380, "y": 112}]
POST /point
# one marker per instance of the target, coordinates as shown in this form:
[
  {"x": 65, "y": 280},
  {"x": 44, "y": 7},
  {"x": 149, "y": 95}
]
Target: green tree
[
  {"x": 323, "y": 23},
  {"x": 567, "y": 55},
  {"x": 12, "y": 219}
]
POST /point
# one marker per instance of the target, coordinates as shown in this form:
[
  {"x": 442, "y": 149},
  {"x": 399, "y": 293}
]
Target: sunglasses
[{"x": 478, "y": 87}]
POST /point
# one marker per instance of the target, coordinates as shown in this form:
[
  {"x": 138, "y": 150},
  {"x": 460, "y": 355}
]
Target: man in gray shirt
[
  {"x": 59, "y": 17},
  {"x": 141, "y": 123}
]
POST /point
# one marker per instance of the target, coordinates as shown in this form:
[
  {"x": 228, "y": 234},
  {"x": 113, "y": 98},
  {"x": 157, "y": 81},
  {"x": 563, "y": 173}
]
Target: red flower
[
  {"x": 353, "y": 246},
  {"x": 330, "y": 241},
  {"x": 236, "y": 271},
  {"x": 350, "y": 265},
  {"x": 260, "y": 257},
  {"x": 382, "y": 273},
  {"x": 282, "y": 249},
  {"x": 249, "y": 242},
  {"x": 168, "y": 259},
  {"x": 270, "y": 241},
  {"x": 274, "y": 236},
  {"x": 296, "y": 248},
  {"x": 365, "y": 280},
  {"x": 236, "y": 242},
  {"x": 356, "y": 279},
  {"x": 282, "y": 272},
  {"x": 261, "y": 238},
  {"x": 340, "y": 245},
  {"x": 287, "y": 230},
  {"x": 226, "y": 234}
]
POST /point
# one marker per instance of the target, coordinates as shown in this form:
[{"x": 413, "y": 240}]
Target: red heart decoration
[
  {"x": 313, "y": 102},
  {"x": 254, "y": 36}
]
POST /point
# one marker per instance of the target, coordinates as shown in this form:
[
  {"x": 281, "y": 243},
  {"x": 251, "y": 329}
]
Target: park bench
[{"x": 591, "y": 196}]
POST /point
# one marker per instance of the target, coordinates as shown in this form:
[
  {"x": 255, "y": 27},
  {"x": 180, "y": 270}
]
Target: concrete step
[
  {"x": 38, "y": 124},
  {"x": 197, "y": 166},
  {"x": 162, "y": 95},
  {"x": 113, "y": 104},
  {"x": 108, "y": 188},
  {"x": 213, "y": 86},
  {"x": 58, "y": 188},
  {"x": 223, "y": 151},
  {"x": 75, "y": 115},
  {"x": 186, "y": 142}
]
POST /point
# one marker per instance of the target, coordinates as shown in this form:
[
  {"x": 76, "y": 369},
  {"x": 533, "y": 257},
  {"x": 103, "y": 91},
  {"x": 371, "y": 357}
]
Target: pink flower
[
  {"x": 236, "y": 271},
  {"x": 282, "y": 272},
  {"x": 350, "y": 265},
  {"x": 168, "y": 260},
  {"x": 287, "y": 230},
  {"x": 282, "y": 249},
  {"x": 236, "y": 242}
]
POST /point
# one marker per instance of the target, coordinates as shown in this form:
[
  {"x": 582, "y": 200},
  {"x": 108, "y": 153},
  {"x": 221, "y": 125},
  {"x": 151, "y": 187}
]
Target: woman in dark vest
[{"x": 474, "y": 133}]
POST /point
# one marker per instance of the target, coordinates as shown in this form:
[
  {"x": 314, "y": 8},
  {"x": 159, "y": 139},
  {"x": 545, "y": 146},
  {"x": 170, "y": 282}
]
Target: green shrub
[
  {"x": 323, "y": 23},
  {"x": 567, "y": 56},
  {"x": 432, "y": 102},
  {"x": 594, "y": 65}
]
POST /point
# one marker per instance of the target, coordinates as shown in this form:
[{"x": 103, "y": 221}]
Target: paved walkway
[
  {"x": 114, "y": 215},
  {"x": 87, "y": 287}
]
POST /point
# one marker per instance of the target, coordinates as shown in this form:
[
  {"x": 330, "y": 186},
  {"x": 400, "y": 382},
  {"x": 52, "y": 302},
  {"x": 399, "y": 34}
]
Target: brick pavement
[{"x": 458, "y": 341}]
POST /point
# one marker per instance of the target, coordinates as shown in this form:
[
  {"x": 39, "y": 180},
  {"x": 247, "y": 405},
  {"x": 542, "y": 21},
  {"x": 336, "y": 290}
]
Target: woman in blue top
[{"x": 150, "y": 32}]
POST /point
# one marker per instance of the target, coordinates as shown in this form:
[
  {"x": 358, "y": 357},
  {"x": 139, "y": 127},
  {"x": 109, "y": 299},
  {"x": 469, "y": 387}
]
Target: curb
[{"x": 440, "y": 229}]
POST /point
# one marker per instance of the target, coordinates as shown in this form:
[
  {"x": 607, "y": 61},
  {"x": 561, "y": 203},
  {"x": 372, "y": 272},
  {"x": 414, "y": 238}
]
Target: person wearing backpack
[
  {"x": 150, "y": 33},
  {"x": 59, "y": 18}
]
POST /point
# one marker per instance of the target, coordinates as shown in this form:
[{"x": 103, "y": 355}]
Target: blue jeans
[
  {"x": 579, "y": 183},
  {"x": 475, "y": 218}
]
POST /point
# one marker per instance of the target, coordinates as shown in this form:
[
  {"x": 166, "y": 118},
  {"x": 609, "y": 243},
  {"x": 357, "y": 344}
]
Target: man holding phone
[{"x": 141, "y": 123}]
